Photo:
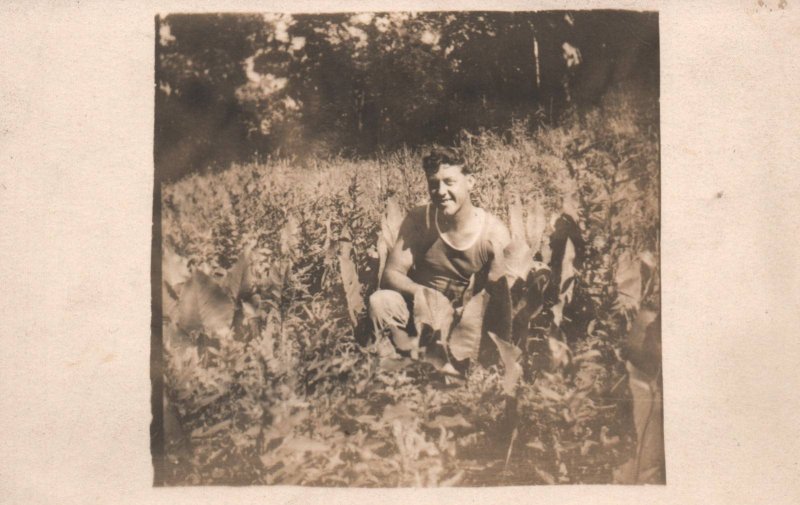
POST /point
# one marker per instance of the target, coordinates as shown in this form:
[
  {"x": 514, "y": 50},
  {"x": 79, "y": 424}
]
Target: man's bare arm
[{"x": 400, "y": 261}]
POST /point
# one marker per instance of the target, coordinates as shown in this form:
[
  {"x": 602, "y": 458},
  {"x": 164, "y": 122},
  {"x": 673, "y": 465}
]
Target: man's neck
[{"x": 458, "y": 222}]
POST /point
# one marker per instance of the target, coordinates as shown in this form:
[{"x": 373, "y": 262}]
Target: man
[{"x": 440, "y": 246}]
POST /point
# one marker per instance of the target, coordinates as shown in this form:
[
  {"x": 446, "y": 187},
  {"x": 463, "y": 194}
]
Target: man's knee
[{"x": 388, "y": 306}]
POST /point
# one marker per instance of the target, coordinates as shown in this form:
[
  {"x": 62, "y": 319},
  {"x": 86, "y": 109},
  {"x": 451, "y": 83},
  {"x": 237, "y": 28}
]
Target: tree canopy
[{"x": 232, "y": 86}]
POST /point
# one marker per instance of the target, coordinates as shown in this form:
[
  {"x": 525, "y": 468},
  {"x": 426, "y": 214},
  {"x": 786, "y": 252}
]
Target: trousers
[
  {"x": 388, "y": 308},
  {"x": 391, "y": 319}
]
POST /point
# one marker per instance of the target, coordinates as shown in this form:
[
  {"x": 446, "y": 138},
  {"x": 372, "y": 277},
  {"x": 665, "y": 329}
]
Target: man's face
[{"x": 449, "y": 188}]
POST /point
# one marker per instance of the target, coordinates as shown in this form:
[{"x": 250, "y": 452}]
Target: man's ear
[{"x": 470, "y": 181}]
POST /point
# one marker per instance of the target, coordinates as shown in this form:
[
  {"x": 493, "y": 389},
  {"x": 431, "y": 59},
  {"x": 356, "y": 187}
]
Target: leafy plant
[{"x": 266, "y": 268}]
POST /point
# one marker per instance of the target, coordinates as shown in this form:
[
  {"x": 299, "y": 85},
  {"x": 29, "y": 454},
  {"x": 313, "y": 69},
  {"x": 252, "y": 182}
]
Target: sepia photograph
[
  {"x": 407, "y": 249},
  {"x": 419, "y": 252}
]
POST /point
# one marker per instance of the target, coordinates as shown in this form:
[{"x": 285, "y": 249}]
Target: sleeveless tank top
[{"x": 440, "y": 265}]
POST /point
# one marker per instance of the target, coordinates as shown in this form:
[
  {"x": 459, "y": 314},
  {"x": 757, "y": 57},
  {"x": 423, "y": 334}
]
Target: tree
[{"x": 237, "y": 86}]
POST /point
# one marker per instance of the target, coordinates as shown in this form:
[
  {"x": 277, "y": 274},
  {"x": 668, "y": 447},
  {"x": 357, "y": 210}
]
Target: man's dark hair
[{"x": 444, "y": 156}]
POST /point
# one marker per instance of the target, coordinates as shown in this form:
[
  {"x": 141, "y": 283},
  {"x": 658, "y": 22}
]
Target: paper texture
[{"x": 76, "y": 140}]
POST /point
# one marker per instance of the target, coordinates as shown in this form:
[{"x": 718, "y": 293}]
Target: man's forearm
[{"x": 400, "y": 282}]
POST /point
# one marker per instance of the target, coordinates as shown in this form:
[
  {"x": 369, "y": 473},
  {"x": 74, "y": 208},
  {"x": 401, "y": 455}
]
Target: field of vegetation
[{"x": 270, "y": 373}]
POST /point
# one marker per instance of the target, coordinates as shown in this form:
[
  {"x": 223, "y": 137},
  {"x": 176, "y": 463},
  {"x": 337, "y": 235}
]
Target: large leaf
[
  {"x": 649, "y": 270},
  {"x": 546, "y": 251},
  {"x": 565, "y": 229},
  {"x": 518, "y": 260},
  {"x": 530, "y": 302},
  {"x": 648, "y": 419},
  {"x": 465, "y": 340},
  {"x": 352, "y": 288},
  {"x": 515, "y": 221},
  {"x": 509, "y": 355},
  {"x": 174, "y": 268},
  {"x": 499, "y": 312},
  {"x": 633, "y": 278},
  {"x": 568, "y": 271},
  {"x": 239, "y": 279},
  {"x": 174, "y": 272},
  {"x": 629, "y": 282},
  {"x": 535, "y": 226},
  {"x": 390, "y": 228},
  {"x": 205, "y": 306},
  {"x": 403, "y": 341},
  {"x": 643, "y": 345},
  {"x": 432, "y": 308},
  {"x": 567, "y": 281},
  {"x": 169, "y": 302},
  {"x": 174, "y": 337}
]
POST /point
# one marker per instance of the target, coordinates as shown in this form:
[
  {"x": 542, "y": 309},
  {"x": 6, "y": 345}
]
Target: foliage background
[
  {"x": 239, "y": 87},
  {"x": 284, "y": 394}
]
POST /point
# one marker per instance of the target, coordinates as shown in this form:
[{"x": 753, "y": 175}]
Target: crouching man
[{"x": 439, "y": 246}]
